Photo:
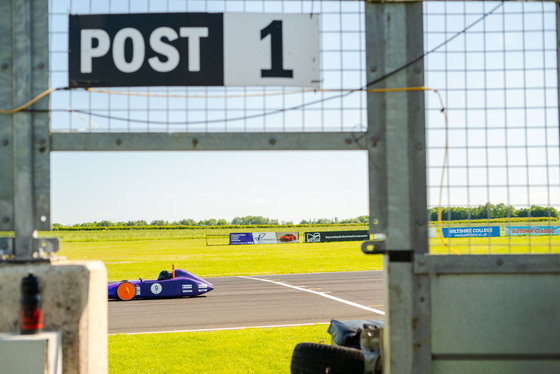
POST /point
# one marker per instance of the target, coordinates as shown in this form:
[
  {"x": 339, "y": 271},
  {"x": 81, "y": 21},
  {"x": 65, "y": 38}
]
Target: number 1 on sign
[{"x": 274, "y": 29}]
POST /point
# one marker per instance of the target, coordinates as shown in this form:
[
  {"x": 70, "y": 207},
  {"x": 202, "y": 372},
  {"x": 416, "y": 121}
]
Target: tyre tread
[{"x": 313, "y": 358}]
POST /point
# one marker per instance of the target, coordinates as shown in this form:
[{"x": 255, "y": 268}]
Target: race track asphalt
[{"x": 256, "y": 301}]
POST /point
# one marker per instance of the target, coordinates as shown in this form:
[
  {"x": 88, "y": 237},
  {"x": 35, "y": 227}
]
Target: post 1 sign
[{"x": 194, "y": 49}]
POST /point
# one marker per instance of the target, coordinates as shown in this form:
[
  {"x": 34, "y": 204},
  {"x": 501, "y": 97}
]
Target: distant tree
[
  {"x": 363, "y": 219},
  {"x": 479, "y": 212},
  {"x": 188, "y": 222},
  {"x": 538, "y": 211},
  {"x": 360, "y": 219},
  {"x": 490, "y": 211},
  {"x": 209, "y": 222},
  {"x": 105, "y": 224},
  {"x": 253, "y": 220},
  {"x": 489, "y": 208},
  {"x": 499, "y": 211},
  {"x": 459, "y": 213},
  {"x": 222, "y": 222},
  {"x": 137, "y": 223},
  {"x": 159, "y": 222}
]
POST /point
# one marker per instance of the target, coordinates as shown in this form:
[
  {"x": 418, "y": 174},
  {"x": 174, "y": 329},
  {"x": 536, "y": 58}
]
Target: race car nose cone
[{"x": 205, "y": 287}]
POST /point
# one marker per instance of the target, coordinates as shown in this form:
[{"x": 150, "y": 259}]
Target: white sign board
[{"x": 271, "y": 49}]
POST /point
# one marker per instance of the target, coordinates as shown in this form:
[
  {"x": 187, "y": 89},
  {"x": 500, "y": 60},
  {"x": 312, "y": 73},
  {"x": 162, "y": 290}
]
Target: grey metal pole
[
  {"x": 23, "y": 131},
  {"x": 397, "y": 175},
  {"x": 24, "y": 136},
  {"x": 6, "y": 122}
]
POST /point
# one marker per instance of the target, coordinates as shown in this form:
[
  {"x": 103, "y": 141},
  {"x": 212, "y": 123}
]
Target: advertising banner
[
  {"x": 472, "y": 232},
  {"x": 531, "y": 230},
  {"x": 263, "y": 237},
  {"x": 336, "y": 236}
]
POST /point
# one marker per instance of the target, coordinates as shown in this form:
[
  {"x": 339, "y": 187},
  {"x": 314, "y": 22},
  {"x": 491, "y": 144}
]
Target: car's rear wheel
[
  {"x": 312, "y": 358},
  {"x": 126, "y": 291}
]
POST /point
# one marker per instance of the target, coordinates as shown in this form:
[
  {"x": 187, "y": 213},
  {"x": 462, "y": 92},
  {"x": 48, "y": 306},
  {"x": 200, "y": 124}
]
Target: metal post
[
  {"x": 41, "y": 144},
  {"x": 397, "y": 174},
  {"x": 23, "y": 132},
  {"x": 6, "y": 130},
  {"x": 24, "y": 136}
]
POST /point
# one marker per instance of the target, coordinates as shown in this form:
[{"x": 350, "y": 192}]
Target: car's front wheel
[{"x": 126, "y": 291}]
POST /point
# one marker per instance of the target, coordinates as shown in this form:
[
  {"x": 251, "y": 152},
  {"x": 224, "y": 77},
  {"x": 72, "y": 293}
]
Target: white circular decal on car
[{"x": 156, "y": 288}]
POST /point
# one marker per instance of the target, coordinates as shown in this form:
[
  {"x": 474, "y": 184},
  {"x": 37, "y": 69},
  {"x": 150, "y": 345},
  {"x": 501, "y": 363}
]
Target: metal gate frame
[{"x": 444, "y": 313}]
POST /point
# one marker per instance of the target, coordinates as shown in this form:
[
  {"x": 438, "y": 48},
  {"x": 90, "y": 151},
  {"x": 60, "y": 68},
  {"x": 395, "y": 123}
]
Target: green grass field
[
  {"x": 219, "y": 352},
  {"x": 145, "y": 258},
  {"x": 130, "y": 254},
  {"x": 497, "y": 245}
]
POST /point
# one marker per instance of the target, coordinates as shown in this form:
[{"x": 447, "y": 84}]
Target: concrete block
[
  {"x": 74, "y": 296},
  {"x": 33, "y": 353}
]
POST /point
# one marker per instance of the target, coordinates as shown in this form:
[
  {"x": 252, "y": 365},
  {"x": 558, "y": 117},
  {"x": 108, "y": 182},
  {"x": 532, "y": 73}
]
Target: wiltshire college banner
[
  {"x": 531, "y": 230},
  {"x": 336, "y": 236},
  {"x": 465, "y": 232},
  {"x": 263, "y": 237}
]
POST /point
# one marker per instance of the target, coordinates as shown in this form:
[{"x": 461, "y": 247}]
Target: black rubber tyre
[{"x": 312, "y": 358}]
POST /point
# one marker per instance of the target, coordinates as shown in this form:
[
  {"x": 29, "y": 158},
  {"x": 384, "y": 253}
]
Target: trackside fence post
[{"x": 397, "y": 164}]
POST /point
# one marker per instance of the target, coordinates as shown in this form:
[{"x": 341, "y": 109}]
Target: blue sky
[{"x": 288, "y": 186}]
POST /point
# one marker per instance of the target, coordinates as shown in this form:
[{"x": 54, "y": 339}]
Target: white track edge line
[
  {"x": 351, "y": 303},
  {"x": 221, "y": 329}
]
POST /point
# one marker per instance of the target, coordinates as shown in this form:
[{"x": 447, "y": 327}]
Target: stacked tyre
[{"x": 312, "y": 358}]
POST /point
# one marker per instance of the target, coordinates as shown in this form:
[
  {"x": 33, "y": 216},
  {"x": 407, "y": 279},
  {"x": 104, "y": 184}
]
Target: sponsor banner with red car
[{"x": 263, "y": 237}]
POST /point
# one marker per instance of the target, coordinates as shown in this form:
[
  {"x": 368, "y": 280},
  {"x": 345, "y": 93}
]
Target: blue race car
[{"x": 177, "y": 283}]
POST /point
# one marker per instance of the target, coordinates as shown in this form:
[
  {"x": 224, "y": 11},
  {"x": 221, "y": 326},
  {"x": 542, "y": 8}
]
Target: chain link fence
[
  {"x": 493, "y": 160},
  {"x": 338, "y": 105},
  {"x": 491, "y": 125}
]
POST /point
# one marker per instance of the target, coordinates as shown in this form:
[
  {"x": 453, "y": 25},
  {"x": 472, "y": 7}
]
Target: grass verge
[{"x": 253, "y": 350}]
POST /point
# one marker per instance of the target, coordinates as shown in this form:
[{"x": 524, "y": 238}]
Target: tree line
[
  {"x": 237, "y": 221},
  {"x": 489, "y": 211}
]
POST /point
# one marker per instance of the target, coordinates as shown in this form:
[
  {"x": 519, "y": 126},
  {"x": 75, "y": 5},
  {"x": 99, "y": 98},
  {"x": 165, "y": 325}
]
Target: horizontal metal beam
[
  {"x": 487, "y": 264},
  {"x": 344, "y": 141}
]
